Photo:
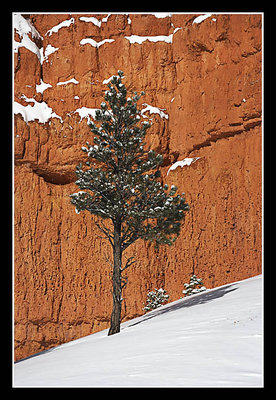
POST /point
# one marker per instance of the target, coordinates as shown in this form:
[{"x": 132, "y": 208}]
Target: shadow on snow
[{"x": 200, "y": 298}]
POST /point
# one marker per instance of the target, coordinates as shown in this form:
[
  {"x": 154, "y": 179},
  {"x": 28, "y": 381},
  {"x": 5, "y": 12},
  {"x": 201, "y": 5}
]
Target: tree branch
[
  {"x": 124, "y": 281},
  {"x": 128, "y": 263},
  {"x": 106, "y": 232},
  {"x": 132, "y": 237}
]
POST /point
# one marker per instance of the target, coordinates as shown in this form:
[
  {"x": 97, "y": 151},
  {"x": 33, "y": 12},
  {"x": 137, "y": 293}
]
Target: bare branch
[
  {"x": 124, "y": 281},
  {"x": 131, "y": 239},
  {"x": 128, "y": 263},
  {"x": 106, "y": 232},
  {"x": 111, "y": 264}
]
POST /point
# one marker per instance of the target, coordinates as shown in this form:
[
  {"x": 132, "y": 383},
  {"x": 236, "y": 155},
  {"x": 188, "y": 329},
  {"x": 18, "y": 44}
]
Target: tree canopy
[{"x": 124, "y": 185}]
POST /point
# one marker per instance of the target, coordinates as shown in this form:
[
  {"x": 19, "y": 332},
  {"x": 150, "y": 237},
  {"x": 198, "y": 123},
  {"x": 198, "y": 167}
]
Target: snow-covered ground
[{"x": 211, "y": 339}]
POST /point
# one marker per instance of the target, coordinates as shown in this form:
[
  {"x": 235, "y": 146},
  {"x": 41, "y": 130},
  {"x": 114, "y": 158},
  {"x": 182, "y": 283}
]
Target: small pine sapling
[
  {"x": 155, "y": 299},
  {"x": 194, "y": 286}
]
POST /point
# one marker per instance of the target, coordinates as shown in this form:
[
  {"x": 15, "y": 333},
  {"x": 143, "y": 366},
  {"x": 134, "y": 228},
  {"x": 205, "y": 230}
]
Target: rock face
[{"x": 203, "y": 85}]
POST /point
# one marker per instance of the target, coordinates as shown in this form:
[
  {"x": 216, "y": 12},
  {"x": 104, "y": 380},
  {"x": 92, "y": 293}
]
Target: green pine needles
[{"x": 123, "y": 186}]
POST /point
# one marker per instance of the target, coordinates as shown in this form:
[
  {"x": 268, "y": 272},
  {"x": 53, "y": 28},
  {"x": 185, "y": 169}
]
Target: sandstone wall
[{"x": 205, "y": 80}]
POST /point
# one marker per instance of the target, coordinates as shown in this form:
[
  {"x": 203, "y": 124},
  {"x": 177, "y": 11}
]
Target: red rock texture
[{"x": 208, "y": 80}]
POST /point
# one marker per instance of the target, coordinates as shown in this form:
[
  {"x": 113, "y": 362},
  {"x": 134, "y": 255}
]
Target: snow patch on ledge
[
  {"x": 154, "y": 110},
  {"x": 40, "y": 111},
  {"x": 85, "y": 112},
  {"x": 201, "y": 18},
  {"x": 73, "y": 80},
  {"x": 186, "y": 161},
  {"x": 140, "y": 39},
  {"x": 42, "y": 87},
  {"x": 93, "y": 42},
  {"x": 162, "y": 15},
  {"x": 29, "y": 45},
  {"x": 24, "y": 27},
  {"x": 63, "y": 24},
  {"x": 93, "y": 20},
  {"x": 49, "y": 50}
]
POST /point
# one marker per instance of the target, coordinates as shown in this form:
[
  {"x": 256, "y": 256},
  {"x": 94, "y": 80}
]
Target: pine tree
[
  {"x": 122, "y": 186},
  {"x": 194, "y": 286},
  {"x": 155, "y": 299}
]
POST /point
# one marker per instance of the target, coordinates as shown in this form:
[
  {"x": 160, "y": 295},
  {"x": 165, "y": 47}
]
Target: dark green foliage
[{"x": 124, "y": 183}]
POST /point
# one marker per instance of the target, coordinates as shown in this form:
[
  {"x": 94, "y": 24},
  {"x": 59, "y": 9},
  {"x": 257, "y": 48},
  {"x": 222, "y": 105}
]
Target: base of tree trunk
[{"x": 113, "y": 330}]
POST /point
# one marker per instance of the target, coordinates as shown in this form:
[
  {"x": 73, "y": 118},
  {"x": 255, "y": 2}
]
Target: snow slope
[{"x": 211, "y": 339}]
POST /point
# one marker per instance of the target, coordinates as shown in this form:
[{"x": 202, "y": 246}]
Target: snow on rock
[
  {"x": 24, "y": 27},
  {"x": 176, "y": 29},
  {"x": 30, "y": 45},
  {"x": 93, "y": 20},
  {"x": 106, "y": 18},
  {"x": 49, "y": 50},
  {"x": 162, "y": 15},
  {"x": 93, "y": 42},
  {"x": 140, "y": 39},
  {"x": 73, "y": 80},
  {"x": 154, "y": 110},
  {"x": 40, "y": 111},
  {"x": 63, "y": 24},
  {"x": 186, "y": 161},
  {"x": 42, "y": 87},
  {"x": 201, "y": 18},
  {"x": 210, "y": 339},
  {"x": 85, "y": 112}
]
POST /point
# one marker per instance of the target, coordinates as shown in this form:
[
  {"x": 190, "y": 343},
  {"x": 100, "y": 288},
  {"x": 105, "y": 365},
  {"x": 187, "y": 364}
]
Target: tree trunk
[{"x": 117, "y": 281}]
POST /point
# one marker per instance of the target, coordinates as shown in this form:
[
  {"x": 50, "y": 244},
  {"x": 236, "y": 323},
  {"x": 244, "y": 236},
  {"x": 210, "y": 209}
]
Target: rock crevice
[{"x": 227, "y": 133}]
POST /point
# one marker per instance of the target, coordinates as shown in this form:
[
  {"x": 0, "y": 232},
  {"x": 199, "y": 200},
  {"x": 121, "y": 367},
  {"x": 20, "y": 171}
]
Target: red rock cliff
[{"x": 203, "y": 84}]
